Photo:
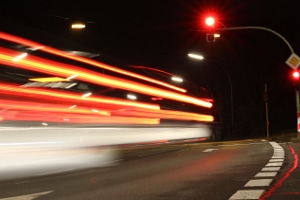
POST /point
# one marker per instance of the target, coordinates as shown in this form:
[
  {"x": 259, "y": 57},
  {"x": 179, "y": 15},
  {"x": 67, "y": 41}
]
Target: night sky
[{"x": 160, "y": 34}]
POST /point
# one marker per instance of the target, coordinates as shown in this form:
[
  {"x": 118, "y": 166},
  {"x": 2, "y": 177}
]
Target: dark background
[{"x": 160, "y": 34}]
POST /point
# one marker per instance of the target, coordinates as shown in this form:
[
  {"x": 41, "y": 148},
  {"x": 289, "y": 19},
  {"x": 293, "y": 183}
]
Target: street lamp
[
  {"x": 293, "y": 61},
  {"x": 78, "y": 25},
  {"x": 200, "y": 57}
]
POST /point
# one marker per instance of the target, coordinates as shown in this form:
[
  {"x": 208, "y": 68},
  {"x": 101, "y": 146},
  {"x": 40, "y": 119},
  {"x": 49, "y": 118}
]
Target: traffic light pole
[
  {"x": 267, "y": 110},
  {"x": 259, "y": 28},
  {"x": 292, "y": 52}
]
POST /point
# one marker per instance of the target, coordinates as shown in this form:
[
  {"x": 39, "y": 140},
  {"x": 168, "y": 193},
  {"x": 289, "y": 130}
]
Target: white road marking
[
  {"x": 270, "y": 169},
  {"x": 27, "y": 196},
  {"x": 279, "y": 154},
  {"x": 209, "y": 150},
  {"x": 266, "y": 174},
  {"x": 54, "y": 172},
  {"x": 247, "y": 194},
  {"x": 274, "y": 164},
  {"x": 21, "y": 182},
  {"x": 258, "y": 182},
  {"x": 232, "y": 145},
  {"x": 276, "y": 160}
]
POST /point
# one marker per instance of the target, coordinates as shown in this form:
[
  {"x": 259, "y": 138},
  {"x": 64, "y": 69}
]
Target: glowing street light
[
  {"x": 131, "y": 96},
  {"x": 78, "y": 25},
  {"x": 177, "y": 79},
  {"x": 200, "y": 57},
  {"x": 195, "y": 56}
]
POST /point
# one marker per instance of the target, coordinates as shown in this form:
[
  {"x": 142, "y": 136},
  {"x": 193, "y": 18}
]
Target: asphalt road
[{"x": 215, "y": 171}]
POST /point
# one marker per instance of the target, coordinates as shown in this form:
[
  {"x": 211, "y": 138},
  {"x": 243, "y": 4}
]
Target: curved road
[{"x": 223, "y": 170}]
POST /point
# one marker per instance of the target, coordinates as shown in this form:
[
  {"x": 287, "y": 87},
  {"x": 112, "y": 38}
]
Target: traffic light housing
[
  {"x": 210, "y": 27},
  {"x": 210, "y": 37},
  {"x": 295, "y": 76}
]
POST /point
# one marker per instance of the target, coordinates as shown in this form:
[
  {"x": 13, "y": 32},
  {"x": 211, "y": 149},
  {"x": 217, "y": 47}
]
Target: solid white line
[
  {"x": 258, "y": 182},
  {"x": 27, "y": 196},
  {"x": 270, "y": 169},
  {"x": 247, "y": 194},
  {"x": 266, "y": 174}
]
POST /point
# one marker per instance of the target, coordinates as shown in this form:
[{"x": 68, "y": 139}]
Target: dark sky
[{"x": 160, "y": 33}]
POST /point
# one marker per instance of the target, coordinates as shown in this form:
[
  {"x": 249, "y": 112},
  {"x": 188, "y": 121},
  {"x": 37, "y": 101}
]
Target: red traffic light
[
  {"x": 210, "y": 21},
  {"x": 296, "y": 75}
]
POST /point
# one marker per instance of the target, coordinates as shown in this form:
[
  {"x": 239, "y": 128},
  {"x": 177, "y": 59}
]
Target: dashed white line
[
  {"x": 27, "y": 196},
  {"x": 276, "y": 160},
  {"x": 266, "y": 174},
  {"x": 247, "y": 194},
  {"x": 258, "y": 182},
  {"x": 270, "y": 170},
  {"x": 274, "y": 164},
  {"x": 209, "y": 150}
]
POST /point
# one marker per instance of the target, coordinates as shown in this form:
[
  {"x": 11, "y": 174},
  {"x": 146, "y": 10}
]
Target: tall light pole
[
  {"x": 200, "y": 57},
  {"x": 293, "y": 61}
]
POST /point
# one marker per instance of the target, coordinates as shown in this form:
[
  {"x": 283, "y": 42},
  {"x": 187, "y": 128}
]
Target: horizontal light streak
[
  {"x": 54, "y": 51},
  {"x": 71, "y": 97},
  {"x": 48, "y": 79},
  {"x": 166, "y": 114},
  {"x": 60, "y": 69}
]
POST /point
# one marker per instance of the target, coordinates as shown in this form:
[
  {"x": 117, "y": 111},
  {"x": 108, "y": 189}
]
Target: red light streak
[
  {"x": 166, "y": 114},
  {"x": 283, "y": 178},
  {"x": 75, "y": 118},
  {"x": 32, "y": 44},
  {"x": 71, "y": 97},
  {"x": 60, "y": 69}
]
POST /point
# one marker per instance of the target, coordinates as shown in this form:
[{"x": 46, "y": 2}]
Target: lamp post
[
  {"x": 293, "y": 61},
  {"x": 200, "y": 57}
]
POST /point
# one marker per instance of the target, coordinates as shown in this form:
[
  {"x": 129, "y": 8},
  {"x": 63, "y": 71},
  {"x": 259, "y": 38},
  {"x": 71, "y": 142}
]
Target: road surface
[{"x": 222, "y": 170}]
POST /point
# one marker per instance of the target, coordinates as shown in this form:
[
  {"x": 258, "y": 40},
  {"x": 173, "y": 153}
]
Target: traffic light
[
  {"x": 296, "y": 79},
  {"x": 210, "y": 21},
  {"x": 210, "y": 37},
  {"x": 296, "y": 75},
  {"x": 210, "y": 27}
]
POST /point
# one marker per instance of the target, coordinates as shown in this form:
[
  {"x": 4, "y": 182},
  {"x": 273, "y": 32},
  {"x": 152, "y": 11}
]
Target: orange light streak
[
  {"x": 47, "y": 107},
  {"x": 59, "y": 69},
  {"x": 166, "y": 114},
  {"x": 54, "y": 51},
  {"x": 74, "y": 118},
  {"x": 71, "y": 97}
]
